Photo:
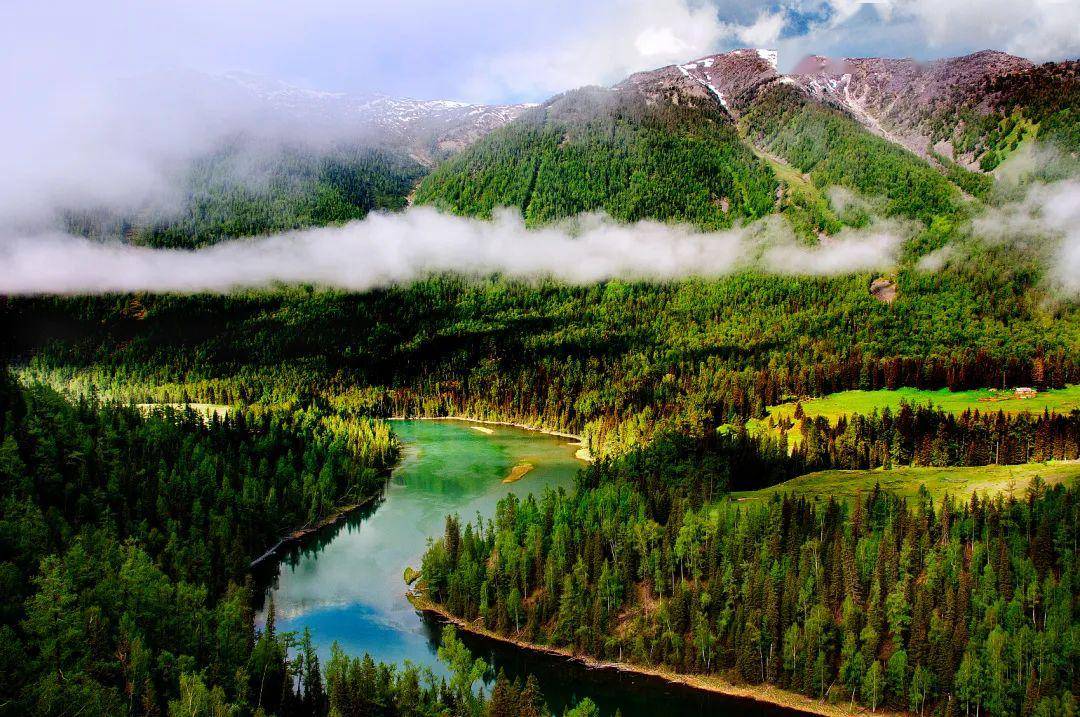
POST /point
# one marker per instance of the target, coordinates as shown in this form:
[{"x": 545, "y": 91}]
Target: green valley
[{"x": 817, "y": 446}]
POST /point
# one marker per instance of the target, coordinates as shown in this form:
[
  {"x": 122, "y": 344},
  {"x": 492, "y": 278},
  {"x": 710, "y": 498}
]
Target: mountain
[
  {"x": 245, "y": 189},
  {"x": 617, "y": 150},
  {"x": 956, "y": 107},
  {"x": 285, "y": 158},
  {"x": 713, "y": 141},
  {"x": 430, "y": 129},
  {"x": 730, "y": 79},
  {"x": 907, "y": 132}
]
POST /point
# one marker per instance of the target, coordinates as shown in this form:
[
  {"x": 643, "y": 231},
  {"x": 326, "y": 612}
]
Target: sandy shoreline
[
  {"x": 582, "y": 454},
  {"x": 707, "y": 683}
]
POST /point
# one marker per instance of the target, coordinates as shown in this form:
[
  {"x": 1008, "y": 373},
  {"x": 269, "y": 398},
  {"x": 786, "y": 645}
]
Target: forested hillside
[
  {"x": 939, "y": 608},
  {"x": 1041, "y": 103},
  {"x": 242, "y": 191},
  {"x": 670, "y": 157},
  {"x": 604, "y": 150},
  {"x": 836, "y": 151},
  {"x": 125, "y": 538},
  {"x": 613, "y": 361}
]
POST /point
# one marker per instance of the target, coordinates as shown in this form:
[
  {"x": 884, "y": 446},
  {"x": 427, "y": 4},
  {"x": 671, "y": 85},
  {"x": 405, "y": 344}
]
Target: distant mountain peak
[
  {"x": 430, "y": 128},
  {"x": 894, "y": 96},
  {"x": 729, "y": 79}
]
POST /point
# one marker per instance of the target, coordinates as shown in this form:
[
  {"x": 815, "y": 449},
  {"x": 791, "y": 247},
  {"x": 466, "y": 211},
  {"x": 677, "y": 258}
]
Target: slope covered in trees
[
  {"x": 1043, "y": 102},
  {"x": 612, "y": 361},
  {"x": 125, "y": 538},
  {"x": 606, "y": 150},
  {"x": 963, "y": 608},
  {"x": 835, "y": 150},
  {"x": 242, "y": 191}
]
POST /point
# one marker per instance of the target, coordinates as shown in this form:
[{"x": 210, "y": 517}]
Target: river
[{"x": 346, "y": 582}]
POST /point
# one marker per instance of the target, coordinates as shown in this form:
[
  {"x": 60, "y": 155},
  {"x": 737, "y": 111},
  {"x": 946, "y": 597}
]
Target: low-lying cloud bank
[
  {"x": 387, "y": 249},
  {"x": 1045, "y": 220},
  {"x": 1048, "y": 210}
]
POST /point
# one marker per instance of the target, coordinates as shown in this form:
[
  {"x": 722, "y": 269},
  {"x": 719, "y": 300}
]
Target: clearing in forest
[
  {"x": 959, "y": 482},
  {"x": 1011, "y": 400}
]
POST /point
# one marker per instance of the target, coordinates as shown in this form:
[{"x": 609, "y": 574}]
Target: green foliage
[
  {"x": 911, "y": 482},
  {"x": 1041, "y": 103},
  {"x": 239, "y": 192},
  {"x": 613, "y": 361},
  {"x": 902, "y": 605},
  {"x": 976, "y": 184},
  {"x": 835, "y": 150},
  {"x": 600, "y": 150},
  {"x": 125, "y": 536}
]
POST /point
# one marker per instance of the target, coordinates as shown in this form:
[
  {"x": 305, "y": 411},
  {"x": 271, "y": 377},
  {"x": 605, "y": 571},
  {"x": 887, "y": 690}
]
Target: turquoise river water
[{"x": 345, "y": 583}]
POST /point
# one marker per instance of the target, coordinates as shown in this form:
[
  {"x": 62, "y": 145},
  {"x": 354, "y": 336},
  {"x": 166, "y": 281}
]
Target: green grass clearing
[
  {"x": 959, "y": 482},
  {"x": 805, "y": 206},
  {"x": 985, "y": 400}
]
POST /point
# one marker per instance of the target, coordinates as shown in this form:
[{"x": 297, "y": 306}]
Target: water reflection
[{"x": 346, "y": 582}]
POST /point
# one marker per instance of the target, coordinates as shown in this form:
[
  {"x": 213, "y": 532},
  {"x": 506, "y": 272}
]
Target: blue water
[{"x": 346, "y": 583}]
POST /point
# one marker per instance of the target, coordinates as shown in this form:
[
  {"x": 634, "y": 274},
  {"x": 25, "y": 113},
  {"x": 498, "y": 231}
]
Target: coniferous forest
[
  {"x": 818, "y": 243},
  {"x": 952, "y": 608}
]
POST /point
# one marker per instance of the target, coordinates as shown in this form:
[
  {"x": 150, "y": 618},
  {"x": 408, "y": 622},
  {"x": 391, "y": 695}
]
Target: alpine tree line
[{"x": 951, "y": 608}]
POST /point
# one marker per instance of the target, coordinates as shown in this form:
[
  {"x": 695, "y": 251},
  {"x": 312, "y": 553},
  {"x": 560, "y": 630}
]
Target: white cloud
[
  {"x": 937, "y": 259},
  {"x": 763, "y": 32},
  {"x": 659, "y": 41},
  {"x": 385, "y": 249},
  {"x": 600, "y": 48},
  {"x": 1048, "y": 210},
  {"x": 1039, "y": 29},
  {"x": 847, "y": 251}
]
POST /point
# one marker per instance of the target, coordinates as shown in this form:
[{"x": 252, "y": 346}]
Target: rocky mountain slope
[
  {"x": 730, "y": 79},
  {"x": 727, "y": 138},
  {"x": 713, "y": 141},
  {"x": 902, "y": 99},
  {"x": 973, "y": 109},
  {"x": 430, "y": 129}
]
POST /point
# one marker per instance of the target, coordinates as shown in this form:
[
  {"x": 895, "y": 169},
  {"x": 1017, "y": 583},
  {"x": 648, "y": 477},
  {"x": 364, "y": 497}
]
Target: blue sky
[{"x": 494, "y": 51}]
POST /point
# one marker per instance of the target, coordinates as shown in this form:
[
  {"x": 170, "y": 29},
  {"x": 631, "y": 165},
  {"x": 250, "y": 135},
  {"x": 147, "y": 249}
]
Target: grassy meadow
[
  {"x": 959, "y": 482},
  {"x": 845, "y": 403}
]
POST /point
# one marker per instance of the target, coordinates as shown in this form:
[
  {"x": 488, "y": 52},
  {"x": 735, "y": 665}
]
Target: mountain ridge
[
  {"x": 430, "y": 129},
  {"x": 931, "y": 108}
]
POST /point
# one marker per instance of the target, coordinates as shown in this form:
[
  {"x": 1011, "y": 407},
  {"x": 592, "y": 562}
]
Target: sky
[
  {"x": 105, "y": 102},
  {"x": 488, "y": 50}
]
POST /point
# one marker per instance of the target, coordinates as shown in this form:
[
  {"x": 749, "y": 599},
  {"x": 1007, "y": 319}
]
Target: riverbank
[
  {"x": 301, "y": 533},
  {"x": 706, "y": 683},
  {"x": 582, "y": 454}
]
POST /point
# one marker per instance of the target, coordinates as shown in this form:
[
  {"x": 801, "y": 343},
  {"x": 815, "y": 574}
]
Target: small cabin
[{"x": 1025, "y": 392}]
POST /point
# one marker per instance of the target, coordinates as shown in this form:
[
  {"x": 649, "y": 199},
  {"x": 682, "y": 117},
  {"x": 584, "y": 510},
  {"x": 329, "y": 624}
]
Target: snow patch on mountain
[{"x": 443, "y": 125}]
